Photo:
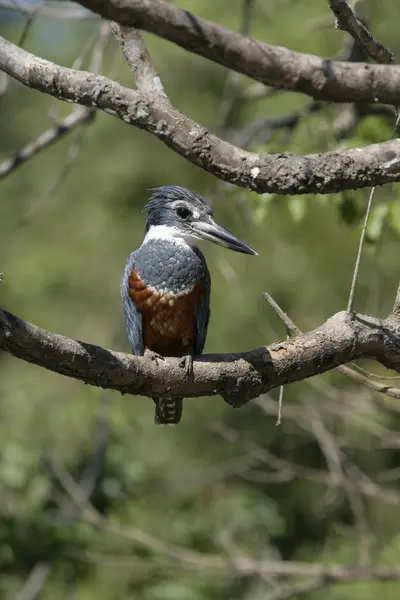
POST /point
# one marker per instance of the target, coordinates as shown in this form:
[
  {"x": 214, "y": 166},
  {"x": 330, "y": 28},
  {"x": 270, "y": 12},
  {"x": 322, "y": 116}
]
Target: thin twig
[
  {"x": 374, "y": 375},
  {"x": 47, "y": 138},
  {"x": 360, "y": 250},
  {"x": 4, "y": 80},
  {"x": 290, "y": 326},
  {"x": 363, "y": 232},
  {"x": 72, "y": 155},
  {"x": 230, "y": 97},
  {"x": 54, "y": 110},
  {"x": 29, "y": 22},
  {"x": 281, "y": 390}
]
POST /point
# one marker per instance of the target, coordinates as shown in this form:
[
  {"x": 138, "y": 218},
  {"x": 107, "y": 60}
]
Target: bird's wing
[
  {"x": 203, "y": 310},
  {"x": 133, "y": 318}
]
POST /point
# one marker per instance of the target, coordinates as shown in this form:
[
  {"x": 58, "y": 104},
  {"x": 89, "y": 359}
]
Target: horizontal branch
[
  {"x": 275, "y": 66},
  {"x": 236, "y": 377},
  {"x": 277, "y": 173}
]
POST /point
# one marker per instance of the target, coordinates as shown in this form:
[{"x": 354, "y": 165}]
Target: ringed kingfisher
[{"x": 166, "y": 284}]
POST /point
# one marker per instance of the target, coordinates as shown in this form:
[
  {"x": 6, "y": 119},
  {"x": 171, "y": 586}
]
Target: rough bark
[
  {"x": 278, "y": 173},
  {"x": 275, "y": 66},
  {"x": 235, "y": 377}
]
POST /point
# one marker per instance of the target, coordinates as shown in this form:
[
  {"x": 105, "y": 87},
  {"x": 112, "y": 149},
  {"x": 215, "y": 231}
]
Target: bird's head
[{"x": 177, "y": 213}]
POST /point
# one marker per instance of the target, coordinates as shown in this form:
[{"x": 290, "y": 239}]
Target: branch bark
[
  {"x": 347, "y": 21},
  {"x": 275, "y": 66},
  {"x": 279, "y": 173},
  {"x": 236, "y": 377},
  {"x": 138, "y": 59}
]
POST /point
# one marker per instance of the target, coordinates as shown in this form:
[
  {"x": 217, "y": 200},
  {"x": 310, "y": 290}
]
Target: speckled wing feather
[
  {"x": 203, "y": 311},
  {"x": 133, "y": 318}
]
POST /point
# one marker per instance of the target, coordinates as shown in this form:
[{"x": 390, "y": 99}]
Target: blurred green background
[{"x": 321, "y": 488}]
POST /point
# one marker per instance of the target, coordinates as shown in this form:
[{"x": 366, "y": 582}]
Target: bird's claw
[
  {"x": 187, "y": 363},
  {"x": 153, "y": 356}
]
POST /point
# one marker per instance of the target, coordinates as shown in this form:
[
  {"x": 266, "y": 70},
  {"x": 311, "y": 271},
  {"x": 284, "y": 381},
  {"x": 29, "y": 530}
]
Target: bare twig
[
  {"x": 78, "y": 117},
  {"x": 29, "y": 22},
  {"x": 359, "y": 252},
  {"x": 229, "y": 97},
  {"x": 35, "y": 582},
  {"x": 290, "y": 326},
  {"x": 262, "y": 130},
  {"x": 363, "y": 233},
  {"x": 375, "y": 375},
  {"x": 72, "y": 155},
  {"x": 280, "y": 405},
  {"x": 30, "y": 17},
  {"x": 347, "y": 21},
  {"x": 237, "y": 564}
]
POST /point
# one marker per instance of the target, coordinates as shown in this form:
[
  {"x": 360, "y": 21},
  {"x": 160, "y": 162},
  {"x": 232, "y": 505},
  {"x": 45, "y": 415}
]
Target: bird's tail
[{"x": 168, "y": 411}]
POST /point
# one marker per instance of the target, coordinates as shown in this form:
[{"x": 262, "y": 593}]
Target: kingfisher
[{"x": 165, "y": 287}]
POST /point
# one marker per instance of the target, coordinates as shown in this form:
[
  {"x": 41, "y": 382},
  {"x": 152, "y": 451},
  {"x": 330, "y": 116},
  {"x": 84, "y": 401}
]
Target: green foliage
[{"x": 210, "y": 485}]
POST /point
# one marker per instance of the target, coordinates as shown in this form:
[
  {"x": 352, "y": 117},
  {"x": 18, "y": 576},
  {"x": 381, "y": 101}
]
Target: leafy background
[{"x": 225, "y": 483}]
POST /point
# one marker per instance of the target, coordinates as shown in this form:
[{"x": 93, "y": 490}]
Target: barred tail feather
[{"x": 168, "y": 411}]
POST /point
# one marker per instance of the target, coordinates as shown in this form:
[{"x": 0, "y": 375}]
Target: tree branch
[
  {"x": 139, "y": 61},
  {"x": 46, "y": 139},
  {"x": 275, "y": 66},
  {"x": 280, "y": 173},
  {"x": 236, "y": 377},
  {"x": 292, "y": 328},
  {"x": 236, "y": 563},
  {"x": 347, "y": 21}
]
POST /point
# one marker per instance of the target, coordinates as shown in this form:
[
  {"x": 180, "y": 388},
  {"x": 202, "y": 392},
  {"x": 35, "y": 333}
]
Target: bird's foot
[
  {"x": 153, "y": 356},
  {"x": 187, "y": 363}
]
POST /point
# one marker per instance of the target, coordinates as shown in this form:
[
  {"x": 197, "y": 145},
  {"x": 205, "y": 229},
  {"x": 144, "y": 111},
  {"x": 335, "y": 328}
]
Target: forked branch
[
  {"x": 236, "y": 377},
  {"x": 278, "y": 173},
  {"x": 274, "y": 66}
]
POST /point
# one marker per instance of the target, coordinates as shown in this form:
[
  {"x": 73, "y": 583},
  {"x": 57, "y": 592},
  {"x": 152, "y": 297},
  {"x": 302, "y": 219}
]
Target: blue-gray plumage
[{"x": 166, "y": 284}]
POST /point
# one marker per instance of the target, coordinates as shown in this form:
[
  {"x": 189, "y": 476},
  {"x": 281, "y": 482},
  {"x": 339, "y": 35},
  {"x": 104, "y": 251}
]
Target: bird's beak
[{"x": 210, "y": 230}]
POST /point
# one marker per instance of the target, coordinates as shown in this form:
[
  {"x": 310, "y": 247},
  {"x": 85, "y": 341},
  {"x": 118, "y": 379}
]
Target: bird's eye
[{"x": 183, "y": 212}]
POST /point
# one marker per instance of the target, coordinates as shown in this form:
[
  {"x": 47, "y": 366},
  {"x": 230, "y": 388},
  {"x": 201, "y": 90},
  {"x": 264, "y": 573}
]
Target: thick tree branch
[
  {"x": 275, "y": 66},
  {"x": 236, "y": 377},
  {"x": 280, "y": 173}
]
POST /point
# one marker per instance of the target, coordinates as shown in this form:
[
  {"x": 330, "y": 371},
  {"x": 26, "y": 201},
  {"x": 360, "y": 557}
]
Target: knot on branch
[
  {"x": 248, "y": 384},
  {"x": 391, "y": 341}
]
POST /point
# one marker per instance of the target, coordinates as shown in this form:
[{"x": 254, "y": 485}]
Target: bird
[{"x": 165, "y": 286}]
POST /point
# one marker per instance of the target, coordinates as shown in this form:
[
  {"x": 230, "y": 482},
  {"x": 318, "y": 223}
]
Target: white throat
[{"x": 170, "y": 234}]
